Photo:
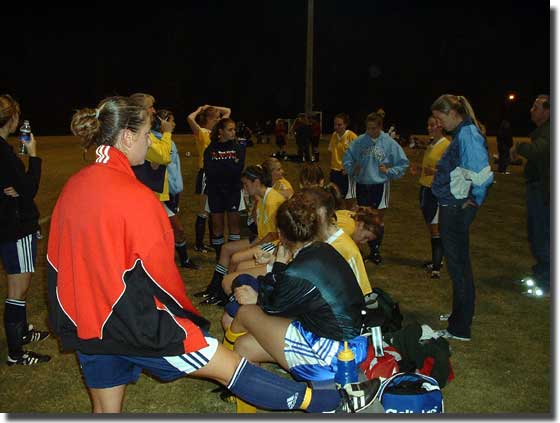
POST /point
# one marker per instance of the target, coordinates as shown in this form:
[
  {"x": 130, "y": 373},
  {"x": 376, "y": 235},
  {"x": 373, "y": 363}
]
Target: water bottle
[
  {"x": 24, "y": 136},
  {"x": 346, "y": 371}
]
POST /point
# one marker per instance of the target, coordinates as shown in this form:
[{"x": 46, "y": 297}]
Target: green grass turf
[{"x": 505, "y": 369}]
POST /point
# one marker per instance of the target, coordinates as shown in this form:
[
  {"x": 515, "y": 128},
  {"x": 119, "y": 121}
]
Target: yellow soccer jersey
[
  {"x": 351, "y": 253},
  {"x": 345, "y": 222},
  {"x": 282, "y": 186},
  {"x": 431, "y": 157},
  {"x": 338, "y": 146},
  {"x": 266, "y": 211},
  {"x": 159, "y": 152},
  {"x": 202, "y": 141}
]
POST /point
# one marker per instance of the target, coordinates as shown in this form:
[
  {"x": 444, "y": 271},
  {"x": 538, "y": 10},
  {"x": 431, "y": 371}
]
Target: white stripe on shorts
[
  {"x": 385, "y": 196},
  {"x": 269, "y": 246},
  {"x": 298, "y": 351},
  {"x": 25, "y": 254},
  {"x": 351, "y": 188},
  {"x": 435, "y": 220},
  {"x": 167, "y": 210},
  {"x": 196, "y": 360}
]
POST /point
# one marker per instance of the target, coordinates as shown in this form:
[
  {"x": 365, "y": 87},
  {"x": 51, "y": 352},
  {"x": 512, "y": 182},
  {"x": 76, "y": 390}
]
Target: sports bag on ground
[{"x": 411, "y": 393}]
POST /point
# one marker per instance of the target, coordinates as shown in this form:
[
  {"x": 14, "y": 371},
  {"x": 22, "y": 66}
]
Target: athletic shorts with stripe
[
  {"x": 373, "y": 195},
  {"x": 107, "y": 371},
  {"x": 19, "y": 256},
  {"x": 313, "y": 358},
  {"x": 429, "y": 205}
]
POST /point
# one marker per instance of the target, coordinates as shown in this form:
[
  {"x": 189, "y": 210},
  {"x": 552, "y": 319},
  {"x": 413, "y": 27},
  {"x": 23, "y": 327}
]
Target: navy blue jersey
[{"x": 223, "y": 164}]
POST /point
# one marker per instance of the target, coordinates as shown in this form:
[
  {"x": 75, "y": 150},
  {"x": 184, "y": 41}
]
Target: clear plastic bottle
[
  {"x": 346, "y": 370},
  {"x": 24, "y": 136}
]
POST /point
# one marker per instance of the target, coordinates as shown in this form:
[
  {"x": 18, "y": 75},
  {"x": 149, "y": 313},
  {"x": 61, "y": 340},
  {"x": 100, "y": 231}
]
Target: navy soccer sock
[
  {"x": 266, "y": 390},
  {"x": 437, "y": 252}
]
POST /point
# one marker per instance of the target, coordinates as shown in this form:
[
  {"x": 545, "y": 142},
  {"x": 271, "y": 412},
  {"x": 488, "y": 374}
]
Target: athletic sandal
[
  {"x": 356, "y": 397},
  {"x": 34, "y": 335},
  {"x": 28, "y": 358}
]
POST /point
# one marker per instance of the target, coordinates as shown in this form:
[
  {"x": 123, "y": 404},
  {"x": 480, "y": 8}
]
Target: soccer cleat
[
  {"x": 375, "y": 258},
  {"x": 189, "y": 264},
  {"x": 203, "y": 248},
  {"x": 202, "y": 294},
  {"x": 444, "y": 317},
  {"x": 435, "y": 274},
  {"x": 428, "y": 266},
  {"x": 444, "y": 333},
  {"x": 358, "y": 396},
  {"x": 34, "y": 335},
  {"x": 28, "y": 358},
  {"x": 214, "y": 300}
]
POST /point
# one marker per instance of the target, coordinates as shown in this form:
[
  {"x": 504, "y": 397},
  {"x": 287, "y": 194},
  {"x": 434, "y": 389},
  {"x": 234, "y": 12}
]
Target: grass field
[{"x": 506, "y": 368}]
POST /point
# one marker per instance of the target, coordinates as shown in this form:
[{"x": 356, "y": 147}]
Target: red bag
[{"x": 383, "y": 367}]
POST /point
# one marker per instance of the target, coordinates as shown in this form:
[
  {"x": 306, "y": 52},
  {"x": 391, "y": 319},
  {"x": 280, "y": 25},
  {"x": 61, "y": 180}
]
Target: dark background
[{"x": 250, "y": 55}]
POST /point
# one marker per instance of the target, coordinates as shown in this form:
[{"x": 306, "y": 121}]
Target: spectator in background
[
  {"x": 301, "y": 128},
  {"x": 505, "y": 142},
  {"x": 460, "y": 184},
  {"x": 280, "y": 134},
  {"x": 19, "y": 223},
  {"x": 537, "y": 178},
  {"x": 315, "y": 138}
]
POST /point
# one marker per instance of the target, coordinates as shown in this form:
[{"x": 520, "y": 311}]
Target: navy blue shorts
[
  {"x": 340, "y": 180},
  {"x": 373, "y": 195},
  {"x": 224, "y": 200},
  {"x": 280, "y": 141},
  {"x": 19, "y": 256},
  {"x": 107, "y": 371},
  {"x": 429, "y": 205}
]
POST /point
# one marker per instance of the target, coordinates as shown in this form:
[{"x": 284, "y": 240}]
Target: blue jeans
[
  {"x": 538, "y": 232},
  {"x": 454, "y": 224}
]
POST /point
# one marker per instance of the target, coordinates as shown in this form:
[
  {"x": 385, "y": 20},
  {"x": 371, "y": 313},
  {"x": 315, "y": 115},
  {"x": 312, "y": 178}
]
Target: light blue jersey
[{"x": 369, "y": 154}]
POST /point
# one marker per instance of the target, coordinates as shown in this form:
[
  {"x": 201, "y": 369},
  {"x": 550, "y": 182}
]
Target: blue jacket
[
  {"x": 369, "y": 154},
  {"x": 463, "y": 172},
  {"x": 174, "y": 175}
]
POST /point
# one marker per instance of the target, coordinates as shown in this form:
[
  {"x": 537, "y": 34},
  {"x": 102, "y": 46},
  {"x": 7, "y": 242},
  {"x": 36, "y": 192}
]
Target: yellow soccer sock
[{"x": 230, "y": 338}]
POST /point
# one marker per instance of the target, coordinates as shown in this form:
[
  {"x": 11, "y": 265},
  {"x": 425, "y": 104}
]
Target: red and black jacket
[{"x": 113, "y": 284}]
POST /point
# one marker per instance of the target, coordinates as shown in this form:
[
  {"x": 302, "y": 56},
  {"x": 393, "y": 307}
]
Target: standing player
[
  {"x": 19, "y": 223},
  {"x": 224, "y": 160},
  {"x": 373, "y": 159},
  {"x": 208, "y": 116},
  {"x": 340, "y": 140},
  {"x": 428, "y": 202}
]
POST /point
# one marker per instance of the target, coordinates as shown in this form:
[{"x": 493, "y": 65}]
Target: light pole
[{"x": 309, "y": 60}]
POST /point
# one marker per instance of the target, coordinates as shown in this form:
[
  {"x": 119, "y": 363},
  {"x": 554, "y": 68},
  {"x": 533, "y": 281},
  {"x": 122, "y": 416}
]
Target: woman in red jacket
[{"x": 116, "y": 296}]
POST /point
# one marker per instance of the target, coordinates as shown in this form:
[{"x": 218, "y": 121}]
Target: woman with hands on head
[{"x": 201, "y": 122}]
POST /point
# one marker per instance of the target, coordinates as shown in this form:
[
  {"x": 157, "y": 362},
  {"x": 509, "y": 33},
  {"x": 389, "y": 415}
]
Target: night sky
[{"x": 250, "y": 56}]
